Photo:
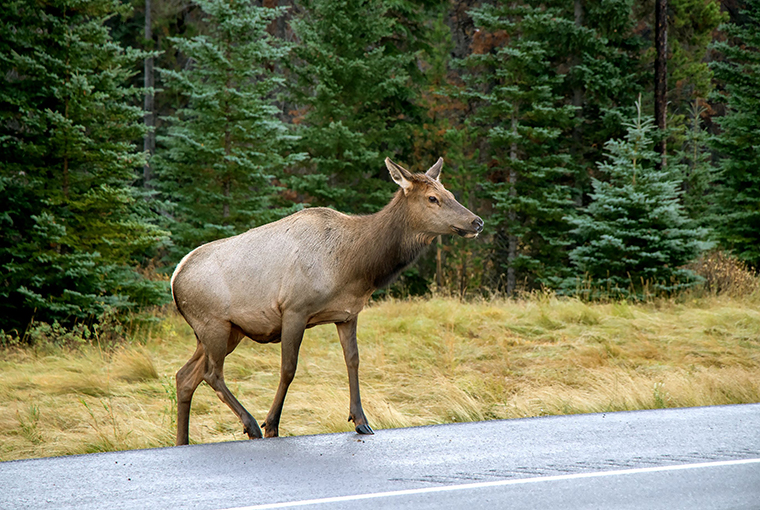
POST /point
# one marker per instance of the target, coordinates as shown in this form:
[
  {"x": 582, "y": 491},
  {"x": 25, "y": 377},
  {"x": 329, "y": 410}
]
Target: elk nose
[{"x": 477, "y": 223}]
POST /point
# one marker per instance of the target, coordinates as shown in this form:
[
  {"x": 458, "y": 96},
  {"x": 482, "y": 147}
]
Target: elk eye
[{"x": 433, "y": 200}]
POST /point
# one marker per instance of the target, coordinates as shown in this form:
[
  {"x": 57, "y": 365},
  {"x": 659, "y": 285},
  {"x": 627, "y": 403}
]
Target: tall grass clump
[{"x": 134, "y": 365}]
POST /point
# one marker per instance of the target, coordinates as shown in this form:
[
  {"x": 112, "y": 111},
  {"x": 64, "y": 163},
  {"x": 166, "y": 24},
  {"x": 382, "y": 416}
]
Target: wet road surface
[{"x": 695, "y": 458}]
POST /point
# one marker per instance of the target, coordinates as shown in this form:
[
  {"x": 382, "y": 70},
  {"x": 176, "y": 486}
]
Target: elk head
[{"x": 432, "y": 209}]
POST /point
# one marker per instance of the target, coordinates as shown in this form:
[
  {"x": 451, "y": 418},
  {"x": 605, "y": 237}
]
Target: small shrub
[
  {"x": 55, "y": 334},
  {"x": 725, "y": 274},
  {"x": 105, "y": 330}
]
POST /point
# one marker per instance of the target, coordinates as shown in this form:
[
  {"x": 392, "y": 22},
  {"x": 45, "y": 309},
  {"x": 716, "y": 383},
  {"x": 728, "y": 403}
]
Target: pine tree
[
  {"x": 224, "y": 149},
  {"x": 698, "y": 173},
  {"x": 355, "y": 101},
  {"x": 738, "y": 200},
  {"x": 692, "y": 27},
  {"x": 72, "y": 229},
  {"x": 512, "y": 86},
  {"x": 595, "y": 47},
  {"x": 606, "y": 48},
  {"x": 692, "y": 24},
  {"x": 634, "y": 236},
  {"x": 456, "y": 263}
]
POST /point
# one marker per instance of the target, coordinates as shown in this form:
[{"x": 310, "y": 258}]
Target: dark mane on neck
[{"x": 388, "y": 244}]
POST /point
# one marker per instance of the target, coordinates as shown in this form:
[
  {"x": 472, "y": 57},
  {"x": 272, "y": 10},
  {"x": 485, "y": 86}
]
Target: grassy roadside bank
[{"x": 423, "y": 362}]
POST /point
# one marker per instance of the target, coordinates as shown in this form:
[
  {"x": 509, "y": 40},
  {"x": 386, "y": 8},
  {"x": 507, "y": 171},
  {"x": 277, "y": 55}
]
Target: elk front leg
[
  {"x": 292, "y": 334},
  {"x": 347, "y": 334}
]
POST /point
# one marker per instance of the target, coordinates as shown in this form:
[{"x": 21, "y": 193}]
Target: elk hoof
[
  {"x": 252, "y": 434},
  {"x": 270, "y": 431},
  {"x": 252, "y": 429},
  {"x": 364, "y": 429}
]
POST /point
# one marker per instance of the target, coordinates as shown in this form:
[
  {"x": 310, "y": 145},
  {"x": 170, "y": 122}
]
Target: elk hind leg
[
  {"x": 188, "y": 378},
  {"x": 214, "y": 376}
]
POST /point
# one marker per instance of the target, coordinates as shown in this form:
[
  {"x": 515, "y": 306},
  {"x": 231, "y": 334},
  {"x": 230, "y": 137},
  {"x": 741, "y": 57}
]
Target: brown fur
[{"x": 379, "y": 264}]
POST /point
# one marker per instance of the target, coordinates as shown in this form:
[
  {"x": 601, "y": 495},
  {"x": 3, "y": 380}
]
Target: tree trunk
[
  {"x": 578, "y": 11},
  {"x": 226, "y": 190},
  {"x": 462, "y": 27},
  {"x": 439, "y": 263},
  {"x": 227, "y": 183},
  {"x": 463, "y": 277},
  {"x": 512, "y": 214},
  {"x": 65, "y": 185},
  {"x": 661, "y": 73},
  {"x": 280, "y": 28},
  {"x": 578, "y": 89},
  {"x": 578, "y": 100},
  {"x": 149, "y": 140}
]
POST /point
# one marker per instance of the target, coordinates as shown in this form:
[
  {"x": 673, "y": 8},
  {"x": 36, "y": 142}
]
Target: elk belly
[{"x": 331, "y": 317}]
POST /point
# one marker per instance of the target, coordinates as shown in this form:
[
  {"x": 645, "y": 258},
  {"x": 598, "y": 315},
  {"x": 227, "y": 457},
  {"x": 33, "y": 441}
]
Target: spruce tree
[
  {"x": 698, "y": 173},
  {"x": 595, "y": 47},
  {"x": 512, "y": 87},
  {"x": 738, "y": 199},
  {"x": 634, "y": 237},
  {"x": 608, "y": 59},
  {"x": 692, "y": 28},
  {"x": 72, "y": 228},
  {"x": 226, "y": 146},
  {"x": 355, "y": 101}
]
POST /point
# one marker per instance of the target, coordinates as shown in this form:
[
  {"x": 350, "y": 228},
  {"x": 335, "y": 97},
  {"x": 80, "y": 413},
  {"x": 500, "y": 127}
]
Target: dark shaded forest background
[{"x": 131, "y": 133}]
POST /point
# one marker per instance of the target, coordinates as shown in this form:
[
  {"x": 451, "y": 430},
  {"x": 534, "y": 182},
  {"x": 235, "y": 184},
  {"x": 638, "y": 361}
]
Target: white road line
[{"x": 499, "y": 483}]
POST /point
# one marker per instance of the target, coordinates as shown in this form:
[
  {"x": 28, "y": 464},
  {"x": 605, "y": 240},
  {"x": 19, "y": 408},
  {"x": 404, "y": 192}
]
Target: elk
[{"x": 317, "y": 266}]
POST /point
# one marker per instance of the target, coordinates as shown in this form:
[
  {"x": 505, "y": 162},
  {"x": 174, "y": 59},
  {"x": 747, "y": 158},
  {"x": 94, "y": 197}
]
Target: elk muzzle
[{"x": 475, "y": 228}]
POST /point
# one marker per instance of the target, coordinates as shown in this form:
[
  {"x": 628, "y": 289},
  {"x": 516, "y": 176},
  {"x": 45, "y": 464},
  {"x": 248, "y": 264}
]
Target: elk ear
[
  {"x": 400, "y": 175},
  {"x": 435, "y": 170}
]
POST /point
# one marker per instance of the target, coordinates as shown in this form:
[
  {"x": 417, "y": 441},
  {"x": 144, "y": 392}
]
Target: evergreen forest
[{"x": 607, "y": 144}]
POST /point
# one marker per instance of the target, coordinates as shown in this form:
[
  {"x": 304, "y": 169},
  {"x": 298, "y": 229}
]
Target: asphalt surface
[{"x": 695, "y": 459}]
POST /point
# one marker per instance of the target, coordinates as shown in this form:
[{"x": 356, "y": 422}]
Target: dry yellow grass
[{"x": 423, "y": 362}]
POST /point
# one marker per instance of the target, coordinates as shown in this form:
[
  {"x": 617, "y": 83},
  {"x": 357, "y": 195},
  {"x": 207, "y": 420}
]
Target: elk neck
[{"x": 387, "y": 243}]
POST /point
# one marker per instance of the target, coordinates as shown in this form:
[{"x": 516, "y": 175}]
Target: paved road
[{"x": 699, "y": 458}]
